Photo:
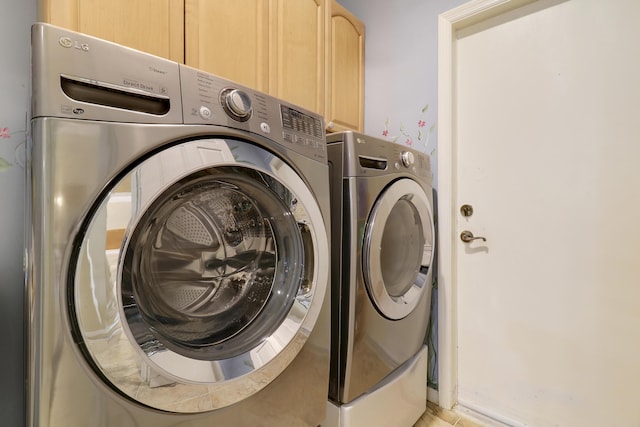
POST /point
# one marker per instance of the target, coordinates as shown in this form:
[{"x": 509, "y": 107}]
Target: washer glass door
[
  {"x": 214, "y": 283},
  {"x": 398, "y": 248}
]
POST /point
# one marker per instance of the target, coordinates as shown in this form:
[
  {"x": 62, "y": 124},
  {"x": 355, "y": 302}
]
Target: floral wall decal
[
  {"x": 4, "y": 134},
  {"x": 418, "y": 139},
  {"x": 4, "y": 165},
  {"x": 14, "y": 146}
]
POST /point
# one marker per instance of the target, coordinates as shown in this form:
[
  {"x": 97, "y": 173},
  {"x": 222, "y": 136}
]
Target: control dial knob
[
  {"x": 407, "y": 158},
  {"x": 236, "y": 103}
]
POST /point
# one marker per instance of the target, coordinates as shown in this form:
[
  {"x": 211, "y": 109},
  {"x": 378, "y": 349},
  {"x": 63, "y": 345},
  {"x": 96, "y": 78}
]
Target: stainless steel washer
[
  {"x": 178, "y": 256},
  {"x": 382, "y": 250}
]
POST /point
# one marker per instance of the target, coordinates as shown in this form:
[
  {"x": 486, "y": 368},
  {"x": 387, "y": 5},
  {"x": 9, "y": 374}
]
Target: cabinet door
[
  {"x": 345, "y": 75},
  {"x": 297, "y": 52},
  {"x": 153, "y": 26},
  {"x": 229, "y": 38}
]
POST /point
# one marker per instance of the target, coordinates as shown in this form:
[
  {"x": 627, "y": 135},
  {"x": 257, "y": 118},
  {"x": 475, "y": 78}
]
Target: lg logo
[{"x": 69, "y": 43}]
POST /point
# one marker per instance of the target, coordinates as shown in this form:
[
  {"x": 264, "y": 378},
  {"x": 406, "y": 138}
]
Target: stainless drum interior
[{"x": 205, "y": 259}]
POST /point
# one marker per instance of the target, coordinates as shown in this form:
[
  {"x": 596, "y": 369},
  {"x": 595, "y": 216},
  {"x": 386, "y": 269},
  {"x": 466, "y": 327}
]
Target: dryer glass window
[
  {"x": 402, "y": 247},
  {"x": 398, "y": 248}
]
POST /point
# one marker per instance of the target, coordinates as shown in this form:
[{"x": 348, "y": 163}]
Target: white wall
[
  {"x": 14, "y": 96},
  {"x": 401, "y": 50}
]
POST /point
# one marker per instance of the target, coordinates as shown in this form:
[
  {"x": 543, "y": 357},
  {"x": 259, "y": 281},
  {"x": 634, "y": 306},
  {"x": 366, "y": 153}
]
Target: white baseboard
[{"x": 432, "y": 395}]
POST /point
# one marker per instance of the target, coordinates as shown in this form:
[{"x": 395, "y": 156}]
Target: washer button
[
  {"x": 205, "y": 113},
  {"x": 287, "y": 136},
  {"x": 265, "y": 127}
]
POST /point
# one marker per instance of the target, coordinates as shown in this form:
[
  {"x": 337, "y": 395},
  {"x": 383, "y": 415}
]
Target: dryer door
[
  {"x": 398, "y": 248},
  {"x": 216, "y": 284}
]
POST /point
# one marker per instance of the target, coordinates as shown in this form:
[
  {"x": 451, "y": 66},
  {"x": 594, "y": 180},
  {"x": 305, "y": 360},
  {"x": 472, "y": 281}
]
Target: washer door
[
  {"x": 216, "y": 284},
  {"x": 398, "y": 248}
]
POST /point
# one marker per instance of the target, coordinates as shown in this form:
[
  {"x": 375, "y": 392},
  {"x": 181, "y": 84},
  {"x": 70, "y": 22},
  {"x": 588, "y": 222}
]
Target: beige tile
[
  {"x": 196, "y": 404},
  {"x": 172, "y": 394},
  {"x": 428, "y": 420},
  {"x": 435, "y": 416},
  {"x": 446, "y": 415},
  {"x": 465, "y": 422}
]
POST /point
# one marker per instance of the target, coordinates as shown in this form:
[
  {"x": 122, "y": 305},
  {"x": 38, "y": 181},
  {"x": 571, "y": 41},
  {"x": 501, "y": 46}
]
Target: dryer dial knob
[
  {"x": 237, "y": 104},
  {"x": 407, "y": 158}
]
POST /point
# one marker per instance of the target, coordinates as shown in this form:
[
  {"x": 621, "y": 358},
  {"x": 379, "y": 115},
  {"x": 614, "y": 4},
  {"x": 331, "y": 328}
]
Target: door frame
[{"x": 448, "y": 24}]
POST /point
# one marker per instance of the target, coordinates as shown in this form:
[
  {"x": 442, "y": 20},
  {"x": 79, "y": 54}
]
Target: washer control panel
[
  {"x": 301, "y": 128},
  {"x": 211, "y": 100}
]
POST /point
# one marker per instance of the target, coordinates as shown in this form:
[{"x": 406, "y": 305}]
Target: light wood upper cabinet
[
  {"x": 297, "y": 52},
  {"x": 154, "y": 26},
  {"x": 276, "y": 46},
  {"x": 229, "y": 38},
  {"x": 345, "y": 75}
]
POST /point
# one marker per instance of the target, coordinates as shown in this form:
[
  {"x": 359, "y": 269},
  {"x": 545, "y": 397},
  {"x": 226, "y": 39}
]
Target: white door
[{"x": 540, "y": 135}]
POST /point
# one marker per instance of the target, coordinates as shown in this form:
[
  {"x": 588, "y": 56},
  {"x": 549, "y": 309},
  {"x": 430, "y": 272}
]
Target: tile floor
[{"x": 435, "y": 416}]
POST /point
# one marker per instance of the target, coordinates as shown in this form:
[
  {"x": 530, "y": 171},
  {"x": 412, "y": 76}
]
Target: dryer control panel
[{"x": 366, "y": 155}]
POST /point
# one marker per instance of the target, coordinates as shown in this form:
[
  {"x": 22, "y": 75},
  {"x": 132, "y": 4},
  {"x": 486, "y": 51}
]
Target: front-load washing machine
[
  {"x": 178, "y": 259},
  {"x": 382, "y": 247}
]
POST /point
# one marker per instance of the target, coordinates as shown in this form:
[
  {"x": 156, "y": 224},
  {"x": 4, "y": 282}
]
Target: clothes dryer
[
  {"x": 178, "y": 256},
  {"x": 383, "y": 248}
]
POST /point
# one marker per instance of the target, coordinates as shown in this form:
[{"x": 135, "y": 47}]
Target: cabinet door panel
[
  {"x": 154, "y": 26},
  {"x": 229, "y": 38},
  {"x": 297, "y": 52},
  {"x": 345, "y": 93}
]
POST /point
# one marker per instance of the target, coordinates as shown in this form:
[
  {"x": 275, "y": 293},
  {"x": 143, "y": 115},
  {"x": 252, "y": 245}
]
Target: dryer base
[{"x": 398, "y": 401}]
